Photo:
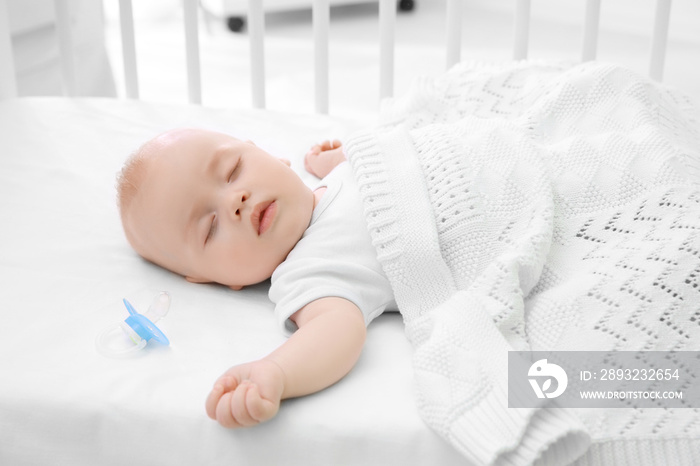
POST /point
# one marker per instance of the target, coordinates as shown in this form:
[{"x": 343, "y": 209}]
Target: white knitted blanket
[{"x": 533, "y": 206}]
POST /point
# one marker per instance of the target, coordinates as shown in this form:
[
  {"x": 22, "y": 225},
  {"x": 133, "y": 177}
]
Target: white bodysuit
[{"x": 333, "y": 258}]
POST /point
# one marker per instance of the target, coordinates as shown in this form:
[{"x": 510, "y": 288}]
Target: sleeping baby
[
  {"x": 513, "y": 207},
  {"x": 213, "y": 208}
]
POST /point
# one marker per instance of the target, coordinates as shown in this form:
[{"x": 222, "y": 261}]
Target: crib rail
[
  {"x": 321, "y": 20},
  {"x": 321, "y": 24},
  {"x": 8, "y": 83}
]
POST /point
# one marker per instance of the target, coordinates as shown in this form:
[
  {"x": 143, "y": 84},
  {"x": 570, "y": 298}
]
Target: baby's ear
[{"x": 286, "y": 162}]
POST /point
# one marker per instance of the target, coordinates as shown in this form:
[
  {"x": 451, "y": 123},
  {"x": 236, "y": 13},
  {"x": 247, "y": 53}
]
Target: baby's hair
[{"x": 130, "y": 177}]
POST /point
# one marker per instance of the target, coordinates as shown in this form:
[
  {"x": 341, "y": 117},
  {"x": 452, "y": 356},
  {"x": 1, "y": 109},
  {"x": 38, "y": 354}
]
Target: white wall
[{"x": 36, "y": 54}]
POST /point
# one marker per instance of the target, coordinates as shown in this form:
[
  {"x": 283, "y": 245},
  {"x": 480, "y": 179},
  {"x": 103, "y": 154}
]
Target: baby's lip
[{"x": 262, "y": 216}]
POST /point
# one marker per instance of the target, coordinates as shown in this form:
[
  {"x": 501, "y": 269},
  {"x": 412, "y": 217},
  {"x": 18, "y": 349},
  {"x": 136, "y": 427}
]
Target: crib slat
[
  {"x": 454, "y": 31},
  {"x": 321, "y": 20},
  {"x": 256, "y": 27},
  {"x": 522, "y": 29},
  {"x": 8, "y": 80},
  {"x": 387, "y": 20},
  {"x": 126, "y": 21},
  {"x": 590, "y": 30},
  {"x": 65, "y": 46},
  {"x": 194, "y": 80},
  {"x": 659, "y": 39}
]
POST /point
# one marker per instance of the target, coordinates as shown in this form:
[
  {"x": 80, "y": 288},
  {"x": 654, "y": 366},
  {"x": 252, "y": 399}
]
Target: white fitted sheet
[{"x": 64, "y": 268}]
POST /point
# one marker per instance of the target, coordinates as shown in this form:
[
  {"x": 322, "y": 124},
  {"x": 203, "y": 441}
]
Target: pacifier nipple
[
  {"x": 159, "y": 307},
  {"x": 134, "y": 333}
]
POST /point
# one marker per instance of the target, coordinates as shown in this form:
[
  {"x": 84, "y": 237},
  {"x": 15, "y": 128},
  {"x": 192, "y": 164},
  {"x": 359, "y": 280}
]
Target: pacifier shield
[{"x": 133, "y": 334}]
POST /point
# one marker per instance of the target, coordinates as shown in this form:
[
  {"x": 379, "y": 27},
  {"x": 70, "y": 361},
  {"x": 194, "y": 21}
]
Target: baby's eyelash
[
  {"x": 212, "y": 230},
  {"x": 233, "y": 170}
]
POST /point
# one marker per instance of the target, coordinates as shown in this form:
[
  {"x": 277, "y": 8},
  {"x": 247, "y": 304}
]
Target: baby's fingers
[
  {"x": 244, "y": 407},
  {"x": 213, "y": 400},
  {"x": 224, "y": 411},
  {"x": 259, "y": 408},
  {"x": 329, "y": 145},
  {"x": 239, "y": 405},
  {"x": 223, "y": 385},
  {"x": 231, "y": 411},
  {"x": 314, "y": 150}
]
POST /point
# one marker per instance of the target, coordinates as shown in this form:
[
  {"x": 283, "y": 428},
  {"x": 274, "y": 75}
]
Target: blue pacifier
[{"x": 125, "y": 338}]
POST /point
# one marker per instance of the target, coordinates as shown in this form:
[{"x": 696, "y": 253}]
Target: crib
[{"x": 65, "y": 264}]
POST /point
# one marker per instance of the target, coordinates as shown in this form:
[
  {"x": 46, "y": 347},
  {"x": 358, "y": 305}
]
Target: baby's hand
[
  {"x": 246, "y": 395},
  {"x": 322, "y": 158}
]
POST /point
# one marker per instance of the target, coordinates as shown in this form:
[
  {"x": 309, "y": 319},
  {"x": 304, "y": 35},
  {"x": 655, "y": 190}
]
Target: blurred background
[{"x": 555, "y": 34}]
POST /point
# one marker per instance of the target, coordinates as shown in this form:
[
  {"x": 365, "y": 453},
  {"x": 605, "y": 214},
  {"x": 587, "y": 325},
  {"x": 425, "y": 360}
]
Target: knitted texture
[{"x": 533, "y": 206}]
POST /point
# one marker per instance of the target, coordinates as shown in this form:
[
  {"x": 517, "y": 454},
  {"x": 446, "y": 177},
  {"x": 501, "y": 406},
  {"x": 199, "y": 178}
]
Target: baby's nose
[{"x": 237, "y": 200}]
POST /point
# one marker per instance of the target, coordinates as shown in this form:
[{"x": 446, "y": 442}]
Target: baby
[{"x": 213, "y": 208}]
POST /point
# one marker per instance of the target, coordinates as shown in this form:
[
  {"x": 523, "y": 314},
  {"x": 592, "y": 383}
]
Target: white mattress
[{"x": 65, "y": 266}]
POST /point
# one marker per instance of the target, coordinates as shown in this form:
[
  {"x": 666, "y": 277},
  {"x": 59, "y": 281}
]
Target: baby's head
[{"x": 211, "y": 207}]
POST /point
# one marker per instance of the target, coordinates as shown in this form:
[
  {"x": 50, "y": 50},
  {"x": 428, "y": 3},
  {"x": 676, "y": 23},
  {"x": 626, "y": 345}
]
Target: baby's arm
[
  {"x": 324, "y": 349},
  {"x": 322, "y": 158}
]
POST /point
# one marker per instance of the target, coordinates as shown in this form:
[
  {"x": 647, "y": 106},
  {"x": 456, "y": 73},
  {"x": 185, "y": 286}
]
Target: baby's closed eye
[{"x": 212, "y": 229}]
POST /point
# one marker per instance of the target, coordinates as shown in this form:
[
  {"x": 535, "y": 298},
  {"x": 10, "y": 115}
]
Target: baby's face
[{"x": 217, "y": 209}]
